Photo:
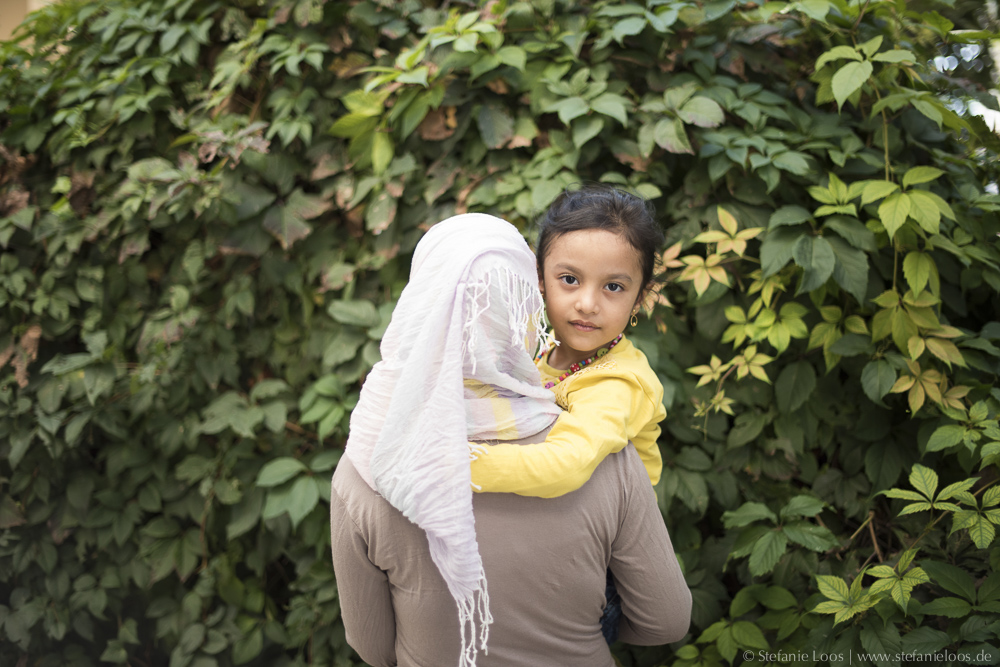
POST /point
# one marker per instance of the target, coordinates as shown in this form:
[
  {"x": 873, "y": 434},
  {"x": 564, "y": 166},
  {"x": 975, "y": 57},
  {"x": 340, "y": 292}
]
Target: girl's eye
[
  {"x": 615, "y": 287},
  {"x": 569, "y": 280}
]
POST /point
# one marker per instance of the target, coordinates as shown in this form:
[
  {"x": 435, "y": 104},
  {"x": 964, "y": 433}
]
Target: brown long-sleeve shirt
[{"x": 545, "y": 563}]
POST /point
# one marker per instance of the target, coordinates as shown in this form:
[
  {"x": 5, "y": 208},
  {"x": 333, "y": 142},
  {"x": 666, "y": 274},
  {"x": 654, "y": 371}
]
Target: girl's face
[{"x": 591, "y": 282}]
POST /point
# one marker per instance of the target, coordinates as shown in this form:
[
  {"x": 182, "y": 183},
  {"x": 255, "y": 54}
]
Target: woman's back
[{"x": 546, "y": 563}]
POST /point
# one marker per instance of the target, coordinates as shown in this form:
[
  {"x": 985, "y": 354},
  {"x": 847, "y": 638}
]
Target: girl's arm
[{"x": 603, "y": 416}]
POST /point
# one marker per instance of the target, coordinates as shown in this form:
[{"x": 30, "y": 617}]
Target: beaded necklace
[{"x": 580, "y": 364}]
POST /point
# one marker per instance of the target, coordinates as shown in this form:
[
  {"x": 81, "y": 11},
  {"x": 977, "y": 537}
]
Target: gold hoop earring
[{"x": 634, "y": 321}]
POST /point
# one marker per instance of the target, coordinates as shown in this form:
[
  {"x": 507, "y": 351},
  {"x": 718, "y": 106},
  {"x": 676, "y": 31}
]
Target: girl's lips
[{"x": 584, "y": 326}]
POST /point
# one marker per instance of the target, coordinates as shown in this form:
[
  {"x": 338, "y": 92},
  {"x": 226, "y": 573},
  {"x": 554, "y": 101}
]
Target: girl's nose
[{"x": 587, "y": 302}]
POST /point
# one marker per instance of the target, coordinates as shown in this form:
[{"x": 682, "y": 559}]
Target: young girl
[{"x": 596, "y": 254}]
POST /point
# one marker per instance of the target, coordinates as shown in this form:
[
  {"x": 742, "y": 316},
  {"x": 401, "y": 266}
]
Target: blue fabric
[{"x": 612, "y": 612}]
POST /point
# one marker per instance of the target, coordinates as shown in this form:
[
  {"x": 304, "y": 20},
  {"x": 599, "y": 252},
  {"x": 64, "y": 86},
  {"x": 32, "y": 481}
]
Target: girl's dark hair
[{"x": 603, "y": 207}]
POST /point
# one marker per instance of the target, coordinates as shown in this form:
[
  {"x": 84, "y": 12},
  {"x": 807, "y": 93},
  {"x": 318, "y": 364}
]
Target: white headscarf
[{"x": 456, "y": 366}]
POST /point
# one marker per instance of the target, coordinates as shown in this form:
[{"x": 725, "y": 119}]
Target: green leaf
[
  {"x": 279, "y": 471},
  {"x": 245, "y": 514},
  {"x": 815, "y": 255},
  {"x": 354, "y": 125},
  {"x": 776, "y": 598},
  {"x": 882, "y": 643},
  {"x": 267, "y": 388},
  {"x": 982, "y": 532},
  {"x": 466, "y": 43},
  {"x": 925, "y": 640},
  {"x": 915, "y": 507},
  {"x": 748, "y": 635},
  {"x": 992, "y": 496},
  {"x": 918, "y": 268},
  {"x": 544, "y": 193},
  {"x": 894, "y": 211},
  {"x": 903, "y": 494},
  {"x": 833, "y": 588},
  {"x": 815, "y": 9},
  {"x": 585, "y": 129},
  {"x": 794, "y": 386},
  {"x": 304, "y": 498},
  {"x": 692, "y": 490},
  {"x": 924, "y": 480},
  {"x": 871, "y": 46},
  {"x": 513, "y": 56},
  {"x": 275, "y": 416},
  {"x": 695, "y": 459},
  {"x": 951, "y": 578},
  {"x": 612, "y": 105},
  {"x": 852, "y": 231},
  {"x": 325, "y": 460},
  {"x": 745, "y": 429},
  {"x": 802, "y": 506},
  {"x": 747, "y": 514},
  {"x": 702, "y": 112},
  {"x": 875, "y": 190},
  {"x": 924, "y": 209},
  {"x": 929, "y": 109},
  {"x": 792, "y": 161},
  {"x": 286, "y": 225},
  {"x": 829, "y": 607},
  {"x": 383, "y": 150},
  {"x": 570, "y": 108},
  {"x": 921, "y": 175},
  {"x": 628, "y": 27},
  {"x": 744, "y": 600},
  {"x": 357, "y": 312},
  {"x": 671, "y": 136},
  {"x": 248, "y": 646},
  {"x": 851, "y": 268},
  {"x": 947, "y": 606},
  {"x": 767, "y": 552},
  {"x": 837, "y": 53},
  {"x": 816, "y": 538},
  {"x": 849, "y": 79},
  {"x": 895, "y": 56},
  {"x": 789, "y": 215},
  {"x": 496, "y": 125},
  {"x": 945, "y": 437},
  {"x": 989, "y": 590},
  {"x": 877, "y": 379}
]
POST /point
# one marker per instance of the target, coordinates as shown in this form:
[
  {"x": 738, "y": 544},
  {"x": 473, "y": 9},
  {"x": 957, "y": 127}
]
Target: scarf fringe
[
  {"x": 476, "y": 605},
  {"x": 525, "y": 312}
]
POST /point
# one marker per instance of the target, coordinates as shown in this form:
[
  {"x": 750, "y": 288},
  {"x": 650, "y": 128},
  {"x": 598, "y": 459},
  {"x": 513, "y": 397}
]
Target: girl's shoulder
[
  {"x": 624, "y": 361},
  {"x": 631, "y": 361}
]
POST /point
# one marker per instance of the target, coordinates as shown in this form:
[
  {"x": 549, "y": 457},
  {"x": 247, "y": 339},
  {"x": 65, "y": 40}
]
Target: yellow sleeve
[{"x": 604, "y": 414}]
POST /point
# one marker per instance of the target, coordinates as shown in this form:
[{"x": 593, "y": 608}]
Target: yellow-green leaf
[
  {"x": 917, "y": 268},
  {"x": 875, "y": 190},
  {"x": 849, "y": 79},
  {"x": 894, "y": 211},
  {"x": 924, "y": 480},
  {"x": 382, "y": 152},
  {"x": 920, "y": 175},
  {"x": 946, "y": 351},
  {"x": 837, "y": 53}
]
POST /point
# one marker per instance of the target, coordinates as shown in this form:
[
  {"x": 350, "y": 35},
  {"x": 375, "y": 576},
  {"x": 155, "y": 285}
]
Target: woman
[{"x": 456, "y": 367}]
